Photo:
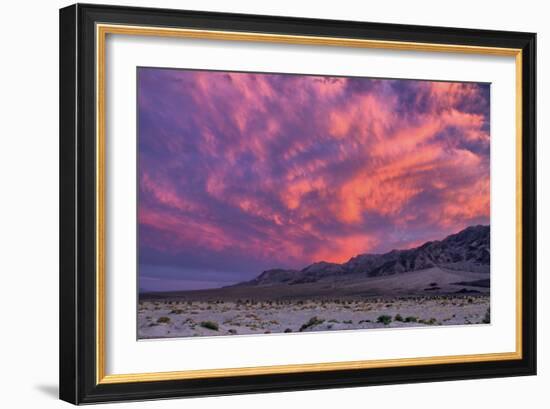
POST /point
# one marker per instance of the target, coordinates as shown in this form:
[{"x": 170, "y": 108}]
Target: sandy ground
[{"x": 165, "y": 318}]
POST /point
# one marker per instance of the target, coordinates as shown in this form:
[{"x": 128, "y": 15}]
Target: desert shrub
[
  {"x": 313, "y": 321},
  {"x": 232, "y": 331},
  {"x": 384, "y": 319},
  {"x": 333, "y": 321},
  {"x": 433, "y": 284},
  {"x": 210, "y": 325},
  {"x": 347, "y": 322},
  {"x": 163, "y": 320},
  {"x": 176, "y": 311},
  {"x": 398, "y": 317},
  {"x": 287, "y": 330},
  {"x": 411, "y": 319}
]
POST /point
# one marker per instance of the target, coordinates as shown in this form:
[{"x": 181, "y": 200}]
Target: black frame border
[{"x": 78, "y": 197}]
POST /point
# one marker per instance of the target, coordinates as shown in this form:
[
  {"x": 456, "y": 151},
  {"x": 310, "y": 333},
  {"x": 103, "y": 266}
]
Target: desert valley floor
[
  {"x": 456, "y": 298},
  {"x": 443, "y": 282},
  {"x": 185, "y": 319}
]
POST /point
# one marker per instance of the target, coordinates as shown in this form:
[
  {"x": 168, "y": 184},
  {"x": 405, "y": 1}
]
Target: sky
[{"x": 243, "y": 172}]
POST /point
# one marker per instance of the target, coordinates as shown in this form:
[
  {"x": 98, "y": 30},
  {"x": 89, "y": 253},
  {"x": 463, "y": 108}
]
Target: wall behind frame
[{"x": 29, "y": 205}]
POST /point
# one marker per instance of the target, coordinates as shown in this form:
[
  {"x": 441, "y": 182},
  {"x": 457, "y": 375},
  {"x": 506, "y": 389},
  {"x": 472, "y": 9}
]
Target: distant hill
[
  {"x": 467, "y": 250},
  {"x": 458, "y": 264}
]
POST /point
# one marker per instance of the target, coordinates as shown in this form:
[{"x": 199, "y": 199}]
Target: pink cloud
[{"x": 305, "y": 168}]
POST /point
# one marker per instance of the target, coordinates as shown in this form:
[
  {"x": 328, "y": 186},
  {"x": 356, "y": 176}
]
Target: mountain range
[
  {"x": 467, "y": 250},
  {"x": 458, "y": 264}
]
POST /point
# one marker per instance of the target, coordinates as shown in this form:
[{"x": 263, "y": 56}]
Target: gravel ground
[{"x": 168, "y": 319}]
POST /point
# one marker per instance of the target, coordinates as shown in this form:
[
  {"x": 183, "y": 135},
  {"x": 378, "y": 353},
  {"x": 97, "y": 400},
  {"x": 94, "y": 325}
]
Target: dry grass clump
[
  {"x": 384, "y": 319},
  {"x": 313, "y": 321},
  {"x": 210, "y": 325}
]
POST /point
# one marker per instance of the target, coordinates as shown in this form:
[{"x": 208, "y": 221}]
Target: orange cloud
[{"x": 308, "y": 168}]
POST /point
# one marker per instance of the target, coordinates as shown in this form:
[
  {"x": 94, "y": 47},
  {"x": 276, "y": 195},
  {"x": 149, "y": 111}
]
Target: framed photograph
[{"x": 257, "y": 203}]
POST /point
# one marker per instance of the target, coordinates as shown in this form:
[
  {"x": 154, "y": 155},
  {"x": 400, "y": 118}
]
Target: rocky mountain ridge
[{"x": 467, "y": 250}]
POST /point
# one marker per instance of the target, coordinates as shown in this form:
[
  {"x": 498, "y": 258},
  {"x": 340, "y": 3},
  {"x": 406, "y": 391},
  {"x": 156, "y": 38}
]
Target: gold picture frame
[{"x": 104, "y": 22}]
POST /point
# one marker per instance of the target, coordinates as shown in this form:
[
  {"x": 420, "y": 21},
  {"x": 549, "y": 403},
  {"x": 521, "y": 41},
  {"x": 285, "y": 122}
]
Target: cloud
[{"x": 246, "y": 171}]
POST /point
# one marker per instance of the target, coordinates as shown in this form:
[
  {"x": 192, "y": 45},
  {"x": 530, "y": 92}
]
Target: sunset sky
[{"x": 243, "y": 172}]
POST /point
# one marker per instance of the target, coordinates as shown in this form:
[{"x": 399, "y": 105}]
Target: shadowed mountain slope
[
  {"x": 458, "y": 264},
  {"x": 468, "y": 250}
]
